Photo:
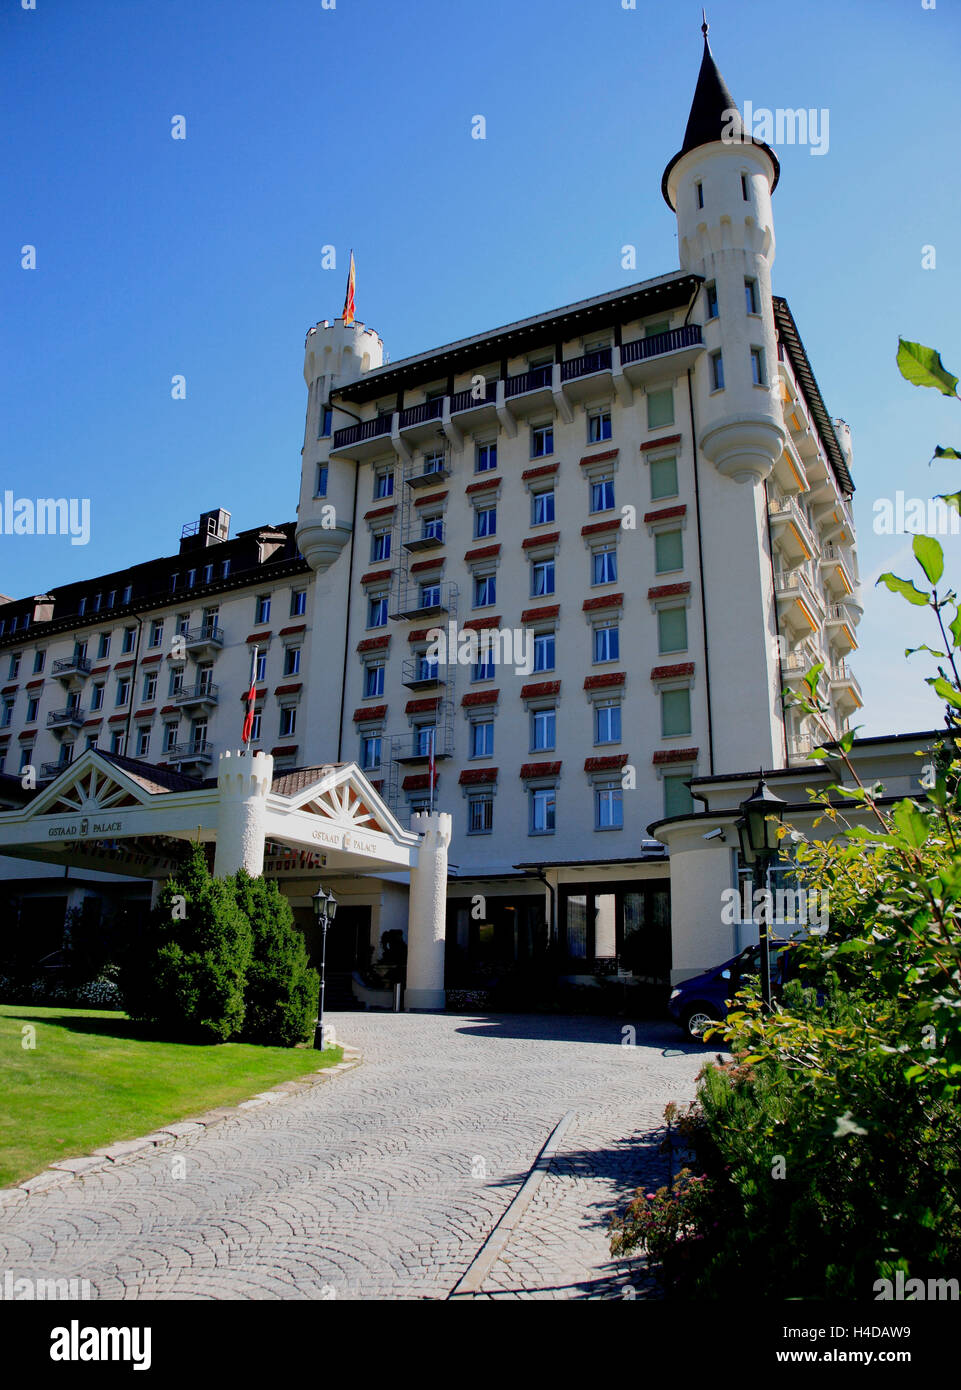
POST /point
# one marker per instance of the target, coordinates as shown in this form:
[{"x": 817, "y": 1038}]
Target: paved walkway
[{"x": 385, "y": 1182}]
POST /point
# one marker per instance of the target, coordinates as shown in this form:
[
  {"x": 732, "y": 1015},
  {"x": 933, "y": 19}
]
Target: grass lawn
[{"x": 95, "y": 1077}]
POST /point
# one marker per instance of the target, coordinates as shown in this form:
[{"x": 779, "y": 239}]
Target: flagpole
[
  {"x": 430, "y": 767},
  {"x": 251, "y": 699}
]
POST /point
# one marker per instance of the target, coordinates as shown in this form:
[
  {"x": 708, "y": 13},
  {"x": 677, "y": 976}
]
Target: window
[
  {"x": 15, "y": 660},
  {"x": 435, "y": 462},
  {"x": 326, "y": 421},
  {"x": 543, "y": 729},
  {"x": 150, "y": 686},
  {"x": 543, "y": 811},
  {"x": 7, "y": 716},
  {"x": 129, "y": 637},
  {"x": 26, "y": 758},
  {"x": 544, "y": 651},
  {"x": 672, "y": 630},
  {"x": 485, "y": 590},
  {"x": 660, "y": 408},
  {"x": 143, "y": 742},
  {"x": 208, "y": 574},
  {"x": 607, "y": 642},
  {"x": 261, "y": 672},
  {"x": 480, "y": 814},
  {"x": 607, "y": 722},
  {"x": 485, "y": 458},
  {"x": 482, "y": 738},
  {"x": 432, "y": 528},
  {"x": 118, "y": 744},
  {"x": 745, "y": 194},
  {"x": 542, "y": 507},
  {"x": 604, "y": 565},
  {"x": 170, "y": 737},
  {"x": 483, "y": 669},
  {"x": 224, "y": 568},
  {"x": 123, "y": 690},
  {"x": 173, "y": 585},
  {"x": 542, "y": 578},
  {"x": 96, "y": 701},
  {"x": 599, "y": 425},
  {"x": 602, "y": 495},
  {"x": 320, "y": 486},
  {"x": 370, "y": 750},
  {"x": 156, "y": 632},
  {"x": 675, "y": 713},
  {"x": 103, "y": 646},
  {"x": 377, "y": 611},
  {"x": 262, "y": 609},
  {"x": 33, "y": 709},
  {"x": 485, "y": 522},
  {"x": 81, "y": 607},
  {"x": 292, "y": 661},
  {"x": 429, "y": 594},
  {"x": 255, "y": 725},
  {"x": 710, "y": 292},
  {"x": 288, "y": 720},
  {"x": 39, "y": 661},
  {"x": 373, "y": 679},
  {"x": 182, "y": 623},
  {"x": 384, "y": 483},
  {"x": 542, "y": 440},
  {"x": 97, "y": 602},
  {"x": 757, "y": 366},
  {"x": 677, "y": 796},
  {"x": 127, "y": 594},
  {"x": 380, "y": 546},
  {"x": 668, "y": 552},
  {"x": 717, "y": 372},
  {"x": 176, "y": 681},
  {"x": 428, "y": 668},
  {"x": 298, "y": 603},
  {"x": 750, "y": 296},
  {"x": 663, "y": 478},
  {"x": 699, "y": 190},
  {"x": 608, "y": 806}
]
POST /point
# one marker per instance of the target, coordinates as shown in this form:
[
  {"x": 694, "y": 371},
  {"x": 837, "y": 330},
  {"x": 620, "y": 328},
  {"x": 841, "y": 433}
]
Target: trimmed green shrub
[{"x": 281, "y": 993}]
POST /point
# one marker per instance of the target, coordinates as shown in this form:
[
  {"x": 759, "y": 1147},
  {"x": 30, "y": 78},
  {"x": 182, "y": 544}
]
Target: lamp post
[
  {"x": 761, "y": 814},
  {"x": 325, "y": 910}
]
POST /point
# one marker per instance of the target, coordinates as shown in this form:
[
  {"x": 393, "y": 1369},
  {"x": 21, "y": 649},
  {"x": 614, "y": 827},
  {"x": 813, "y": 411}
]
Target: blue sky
[{"x": 308, "y": 126}]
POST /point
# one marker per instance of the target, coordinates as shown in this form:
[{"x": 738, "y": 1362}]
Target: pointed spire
[{"x": 714, "y": 113}]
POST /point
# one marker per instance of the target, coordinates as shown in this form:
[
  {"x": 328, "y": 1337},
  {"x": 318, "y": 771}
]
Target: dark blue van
[{"x": 703, "y": 999}]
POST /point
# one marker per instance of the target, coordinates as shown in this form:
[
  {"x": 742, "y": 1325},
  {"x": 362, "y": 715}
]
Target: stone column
[
  {"x": 243, "y": 781},
  {"x": 427, "y": 913}
]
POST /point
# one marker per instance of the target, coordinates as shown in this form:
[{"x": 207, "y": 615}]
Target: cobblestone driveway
[{"x": 386, "y": 1182}]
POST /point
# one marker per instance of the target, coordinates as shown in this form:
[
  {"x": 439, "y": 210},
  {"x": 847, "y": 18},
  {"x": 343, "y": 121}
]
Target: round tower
[
  {"x": 719, "y": 184},
  {"x": 334, "y": 355}
]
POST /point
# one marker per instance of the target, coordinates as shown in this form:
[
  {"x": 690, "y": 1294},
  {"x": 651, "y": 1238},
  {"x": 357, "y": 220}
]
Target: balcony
[
  {"x": 643, "y": 359},
  {"x": 418, "y": 674},
  {"x": 800, "y": 607},
  {"x": 364, "y": 440},
  {"x": 835, "y": 573},
  {"x": 54, "y": 769},
  {"x": 205, "y": 694},
  {"x": 844, "y": 687},
  {"x": 411, "y": 605},
  {"x": 476, "y": 400},
  {"x": 839, "y": 628},
  {"x": 800, "y": 745},
  {"x": 70, "y": 718},
  {"x": 409, "y": 749},
  {"x": 791, "y": 531},
  {"x": 421, "y": 422},
  {"x": 433, "y": 536},
  {"x": 206, "y": 639},
  {"x": 430, "y": 477},
  {"x": 795, "y": 667},
  {"x": 197, "y": 751},
  {"x": 70, "y": 666},
  {"x": 581, "y": 376}
]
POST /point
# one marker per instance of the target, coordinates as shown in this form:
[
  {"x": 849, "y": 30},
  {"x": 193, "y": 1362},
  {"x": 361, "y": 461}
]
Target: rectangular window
[
  {"x": 320, "y": 486},
  {"x": 542, "y": 440},
  {"x": 432, "y": 528},
  {"x": 607, "y": 643},
  {"x": 96, "y": 701},
  {"x": 607, "y": 723},
  {"x": 608, "y": 807},
  {"x": 485, "y": 458},
  {"x": 485, "y": 522},
  {"x": 127, "y": 594},
  {"x": 262, "y": 609},
  {"x": 750, "y": 296},
  {"x": 255, "y": 725},
  {"x": 170, "y": 737},
  {"x": 668, "y": 552},
  {"x": 208, "y": 574},
  {"x": 599, "y": 425},
  {"x": 543, "y": 811},
  {"x": 15, "y": 665},
  {"x": 435, "y": 463},
  {"x": 129, "y": 637},
  {"x": 298, "y": 603},
  {"x": 150, "y": 686},
  {"x": 156, "y": 632},
  {"x": 143, "y": 742},
  {"x": 485, "y": 590},
  {"x": 710, "y": 292},
  {"x": 428, "y": 668},
  {"x": 544, "y": 643},
  {"x": 288, "y": 720},
  {"x": 173, "y": 585},
  {"x": 660, "y": 408},
  {"x": 261, "y": 672},
  {"x": 380, "y": 546},
  {"x": 429, "y": 595},
  {"x": 374, "y": 679},
  {"x": 480, "y": 815},
  {"x": 699, "y": 189},
  {"x": 370, "y": 751},
  {"x": 757, "y": 366},
  {"x": 292, "y": 661},
  {"x": 542, "y": 578},
  {"x": 377, "y": 611},
  {"x": 482, "y": 738},
  {"x": 39, "y": 660},
  {"x": 117, "y": 744},
  {"x": 483, "y": 670},
  {"x": 26, "y": 757},
  {"x": 604, "y": 566},
  {"x": 6, "y": 718},
  {"x": 672, "y": 630},
  {"x": 602, "y": 495},
  {"x": 383, "y": 483},
  {"x": 543, "y": 730},
  {"x": 663, "y": 478},
  {"x": 326, "y": 421},
  {"x": 744, "y": 188},
  {"x": 123, "y": 690},
  {"x": 677, "y": 796},
  {"x": 81, "y": 608},
  {"x": 33, "y": 709},
  {"x": 717, "y": 371},
  {"x": 224, "y": 568},
  {"x": 191, "y": 578},
  {"x": 675, "y": 713},
  {"x": 542, "y": 508},
  {"x": 103, "y": 646}
]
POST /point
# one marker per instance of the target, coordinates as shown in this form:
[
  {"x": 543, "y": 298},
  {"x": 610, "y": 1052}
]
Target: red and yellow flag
[{"x": 349, "y": 301}]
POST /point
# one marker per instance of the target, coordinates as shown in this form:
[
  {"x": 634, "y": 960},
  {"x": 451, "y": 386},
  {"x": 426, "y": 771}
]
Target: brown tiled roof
[
  {"x": 429, "y": 499},
  {"x": 369, "y": 712},
  {"x": 480, "y": 697},
  {"x": 472, "y": 776},
  {"x": 603, "y": 601},
  {"x": 295, "y": 779},
  {"x": 675, "y": 755},
  {"x": 258, "y": 637},
  {"x": 666, "y": 673},
  {"x": 669, "y": 590},
  {"x": 482, "y": 486},
  {"x": 541, "y": 472},
  {"x": 549, "y": 538},
  {"x": 478, "y": 624},
  {"x": 418, "y": 781},
  {"x": 661, "y": 443},
  {"x": 536, "y": 615},
  {"x": 665, "y": 513},
  {"x": 540, "y": 688},
  {"x": 154, "y": 779},
  {"x": 375, "y": 576},
  {"x": 430, "y": 702},
  {"x": 374, "y": 644},
  {"x": 291, "y": 689},
  {"x": 482, "y": 552},
  {"x": 602, "y": 682},
  {"x": 597, "y": 527},
  {"x": 289, "y": 631},
  {"x": 540, "y": 769},
  {"x": 379, "y": 511},
  {"x": 614, "y": 760},
  {"x": 599, "y": 458},
  {"x": 435, "y": 563}
]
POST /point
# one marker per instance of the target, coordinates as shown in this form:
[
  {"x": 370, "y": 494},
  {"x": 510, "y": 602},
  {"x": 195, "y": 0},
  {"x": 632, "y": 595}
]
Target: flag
[
  {"x": 251, "y": 700},
  {"x": 349, "y": 301}
]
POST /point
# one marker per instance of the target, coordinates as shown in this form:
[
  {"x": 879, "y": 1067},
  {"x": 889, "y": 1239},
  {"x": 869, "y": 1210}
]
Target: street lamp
[
  {"x": 325, "y": 910},
  {"x": 761, "y": 814}
]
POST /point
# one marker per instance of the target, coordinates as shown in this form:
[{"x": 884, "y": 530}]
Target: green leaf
[
  {"x": 929, "y": 556},
  {"x": 906, "y": 589},
  {"x": 954, "y": 627},
  {"x": 953, "y": 499},
  {"x": 946, "y": 690},
  {"x": 911, "y": 823},
  {"x": 812, "y": 677},
  {"x": 941, "y": 453},
  {"x": 909, "y": 651},
  {"x": 922, "y": 366}
]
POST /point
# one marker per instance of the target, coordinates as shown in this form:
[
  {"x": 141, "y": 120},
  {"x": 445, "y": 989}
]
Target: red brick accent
[
  {"x": 172, "y": 709},
  {"x": 669, "y": 590},
  {"x": 289, "y": 631},
  {"x": 123, "y": 665},
  {"x": 26, "y": 733},
  {"x": 89, "y": 723},
  {"x": 257, "y": 637},
  {"x": 431, "y": 702},
  {"x": 379, "y": 511},
  {"x": 481, "y": 553},
  {"x": 154, "y": 656},
  {"x": 481, "y": 486},
  {"x": 422, "y": 565},
  {"x": 480, "y": 697},
  {"x": 667, "y": 673},
  {"x": 430, "y": 499},
  {"x": 665, "y": 513},
  {"x": 32, "y": 685},
  {"x": 293, "y": 689},
  {"x": 551, "y": 538},
  {"x": 597, "y": 528},
  {"x": 603, "y": 601},
  {"x": 675, "y": 755},
  {"x": 610, "y": 678},
  {"x": 661, "y": 443},
  {"x": 539, "y": 688},
  {"x": 374, "y": 644},
  {"x": 474, "y": 776},
  {"x": 99, "y": 670},
  {"x": 536, "y": 615},
  {"x": 419, "y": 634},
  {"x": 605, "y": 764},
  {"x": 599, "y": 458},
  {"x": 369, "y": 712},
  {"x": 540, "y": 769},
  {"x": 544, "y": 471},
  {"x": 146, "y": 713},
  {"x": 9, "y": 690},
  {"x": 284, "y": 751},
  {"x": 375, "y": 576},
  {"x": 117, "y": 719},
  {"x": 478, "y": 624},
  {"x": 418, "y": 781}
]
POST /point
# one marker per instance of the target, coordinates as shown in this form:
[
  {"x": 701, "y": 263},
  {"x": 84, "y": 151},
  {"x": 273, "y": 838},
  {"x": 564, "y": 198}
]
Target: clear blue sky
[{"x": 351, "y": 126}]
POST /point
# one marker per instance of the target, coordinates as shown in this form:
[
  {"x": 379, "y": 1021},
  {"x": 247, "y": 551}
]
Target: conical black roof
[{"x": 713, "y": 112}]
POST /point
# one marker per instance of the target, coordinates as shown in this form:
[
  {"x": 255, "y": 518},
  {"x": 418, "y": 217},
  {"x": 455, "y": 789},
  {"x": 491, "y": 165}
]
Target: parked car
[{"x": 704, "y": 999}]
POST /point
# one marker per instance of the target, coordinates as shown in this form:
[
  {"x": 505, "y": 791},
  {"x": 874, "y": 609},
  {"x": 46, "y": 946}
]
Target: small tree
[{"x": 281, "y": 994}]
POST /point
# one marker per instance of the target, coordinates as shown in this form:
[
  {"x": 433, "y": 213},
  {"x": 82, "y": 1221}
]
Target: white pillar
[
  {"x": 243, "y": 781},
  {"x": 427, "y": 914}
]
